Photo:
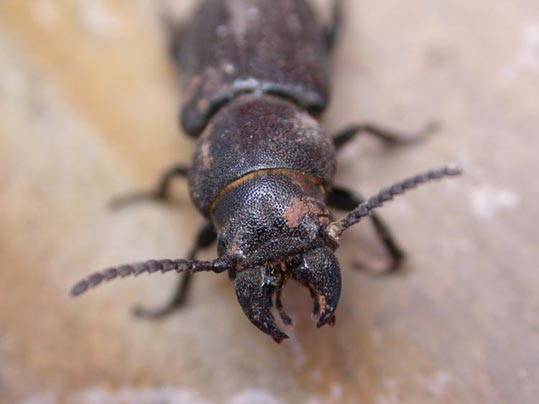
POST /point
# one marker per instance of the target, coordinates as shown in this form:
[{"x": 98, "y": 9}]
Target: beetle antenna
[
  {"x": 335, "y": 229},
  {"x": 179, "y": 265}
]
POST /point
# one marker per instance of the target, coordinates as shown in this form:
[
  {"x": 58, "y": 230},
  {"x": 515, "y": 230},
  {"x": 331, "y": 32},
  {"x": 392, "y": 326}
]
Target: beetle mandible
[{"x": 255, "y": 78}]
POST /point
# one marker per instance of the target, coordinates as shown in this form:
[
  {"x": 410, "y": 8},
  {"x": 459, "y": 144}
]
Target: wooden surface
[{"x": 88, "y": 106}]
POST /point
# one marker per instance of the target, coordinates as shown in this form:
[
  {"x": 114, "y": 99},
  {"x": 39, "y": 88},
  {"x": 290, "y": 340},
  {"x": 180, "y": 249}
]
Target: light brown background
[{"x": 88, "y": 103}]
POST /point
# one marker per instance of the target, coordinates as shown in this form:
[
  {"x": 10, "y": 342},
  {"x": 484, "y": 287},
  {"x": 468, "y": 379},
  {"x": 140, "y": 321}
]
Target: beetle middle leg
[
  {"x": 389, "y": 136},
  {"x": 333, "y": 29},
  {"x": 160, "y": 193},
  {"x": 343, "y": 199},
  {"x": 206, "y": 237}
]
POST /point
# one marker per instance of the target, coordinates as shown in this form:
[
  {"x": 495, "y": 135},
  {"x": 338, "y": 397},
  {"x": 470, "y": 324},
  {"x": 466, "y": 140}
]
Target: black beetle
[{"x": 255, "y": 76}]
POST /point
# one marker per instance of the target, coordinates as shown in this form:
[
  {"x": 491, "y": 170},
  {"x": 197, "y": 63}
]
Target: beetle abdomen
[{"x": 251, "y": 46}]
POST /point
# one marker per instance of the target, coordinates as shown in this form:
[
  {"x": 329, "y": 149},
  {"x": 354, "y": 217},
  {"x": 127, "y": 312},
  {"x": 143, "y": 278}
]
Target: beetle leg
[
  {"x": 346, "y": 200},
  {"x": 388, "y": 136},
  {"x": 205, "y": 238},
  {"x": 175, "y": 33},
  {"x": 254, "y": 291},
  {"x": 333, "y": 30},
  {"x": 159, "y": 194}
]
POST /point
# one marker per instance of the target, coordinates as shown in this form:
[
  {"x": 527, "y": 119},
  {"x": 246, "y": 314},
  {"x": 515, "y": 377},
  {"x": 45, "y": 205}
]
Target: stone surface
[{"x": 88, "y": 106}]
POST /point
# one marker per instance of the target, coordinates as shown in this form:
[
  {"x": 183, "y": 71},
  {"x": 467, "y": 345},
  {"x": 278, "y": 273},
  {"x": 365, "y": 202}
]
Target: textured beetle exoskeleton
[{"x": 255, "y": 78}]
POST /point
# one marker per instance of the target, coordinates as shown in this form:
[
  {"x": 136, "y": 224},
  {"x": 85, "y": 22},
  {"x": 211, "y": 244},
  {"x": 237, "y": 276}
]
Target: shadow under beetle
[{"x": 255, "y": 76}]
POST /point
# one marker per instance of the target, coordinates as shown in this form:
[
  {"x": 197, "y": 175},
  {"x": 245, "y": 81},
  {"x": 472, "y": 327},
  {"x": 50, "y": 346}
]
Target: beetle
[{"x": 255, "y": 79}]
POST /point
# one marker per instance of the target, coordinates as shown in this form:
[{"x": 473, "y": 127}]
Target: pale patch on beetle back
[
  {"x": 242, "y": 18},
  {"x": 307, "y": 126},
  {"x": 297, "y": 211},
  {"x": 205, "y": 154},
  {"x": 302, "y": 207}
]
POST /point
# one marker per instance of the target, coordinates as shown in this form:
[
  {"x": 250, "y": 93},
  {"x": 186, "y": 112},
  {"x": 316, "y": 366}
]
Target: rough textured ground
[{"x": 88, "y": 105}]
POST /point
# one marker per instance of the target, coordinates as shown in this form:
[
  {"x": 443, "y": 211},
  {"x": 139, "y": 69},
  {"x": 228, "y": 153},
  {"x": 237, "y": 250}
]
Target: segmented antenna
[
  {"x": 151, "y": 266},
  {"x": 335, "y": 229}
]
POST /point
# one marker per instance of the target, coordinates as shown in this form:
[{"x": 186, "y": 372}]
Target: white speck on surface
[
  {"x": 254, "y": 397},
  {"x": 228, "y": 68},
  {"x": 298, "y": 353},
  {"x": 487, "y": 201},
  {"x": 97, "y": 18},
  {"x": 335, "y": 393},
  {"x": 163, "y": 395},
  {"x": 390, "y": 395},
  {"x": 527, "y": 56},
  {"x": 437, "y": 385},
  {"x": 42, "y": 398}
]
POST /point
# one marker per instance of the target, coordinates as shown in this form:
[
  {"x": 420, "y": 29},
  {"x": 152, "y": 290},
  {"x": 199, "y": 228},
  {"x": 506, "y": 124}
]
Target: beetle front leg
[
  {"x": 343, "y": 199},
  {"x": 206, "y": 237},
  {"x": 160, "y": 193},
  {"x": 386, "y": 135}
]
